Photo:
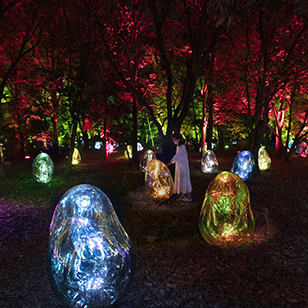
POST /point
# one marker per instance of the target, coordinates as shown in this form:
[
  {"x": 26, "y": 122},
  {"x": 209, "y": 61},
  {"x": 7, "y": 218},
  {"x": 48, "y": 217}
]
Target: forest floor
[{"x": 176, "y": 267}]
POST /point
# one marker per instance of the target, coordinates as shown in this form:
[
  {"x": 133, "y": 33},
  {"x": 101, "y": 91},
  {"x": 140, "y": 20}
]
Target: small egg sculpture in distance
[
  {"x": 244, "y": 165},
  {"x": 209, "y": 163},
  {"x": 76, "y": 157},
  {"x": 264, "y": 160},
  {"x": 302, "y": 150},
  {"x": 158, "y": 181},
  {"x": 91, "y": 261},
  {"x": 42, "y": 168},
  {"x": 146, "y": 157},
  {"x": 226, "y": 218}
]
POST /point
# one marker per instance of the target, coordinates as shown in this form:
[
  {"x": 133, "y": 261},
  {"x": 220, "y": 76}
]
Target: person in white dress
[{"x": 182, "y": 183}]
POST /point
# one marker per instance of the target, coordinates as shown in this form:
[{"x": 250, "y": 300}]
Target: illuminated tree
[
  {"x": 22, "y": 26},
  {"x": 178, "y": 38},
  {"x": 269, "y": 54}
]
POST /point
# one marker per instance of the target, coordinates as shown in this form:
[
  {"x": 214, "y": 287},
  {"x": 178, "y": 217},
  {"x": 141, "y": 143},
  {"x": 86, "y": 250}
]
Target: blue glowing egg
[
  {"x": 244, "y": 165},
  {"x": 91, "y": 261},
  {"x": 42, "y": 168}
]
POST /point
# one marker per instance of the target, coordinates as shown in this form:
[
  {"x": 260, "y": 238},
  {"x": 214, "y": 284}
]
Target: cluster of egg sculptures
[
  {"x": 209, "y": 163},
  {"x": 264, "y": 160},
  {"x": 91, "y": 261},
  {"x": 42, "y": 168},
  {"x": 226, "y": 218},
  {"x": 244, "y": 165},
  {"x": 146, "y": 157},
  {"x": 302, "y": 150},
  {"x": 158, "y": 181}
]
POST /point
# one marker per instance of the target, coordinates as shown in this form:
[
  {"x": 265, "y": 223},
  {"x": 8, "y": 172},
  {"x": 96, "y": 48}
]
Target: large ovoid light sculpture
[
  {"x": 91, "y": 261},
  {"x": 76, "y": 157},
  {"x": 42, "y": 168},
  {"x": 158, "y": 181},
  {"x": 244, "y": 165},
  {"x": 146, "y": 157},
  {"x": 264, "y": 160},
  {"x": 209, "y": 163},
  {"x": 226, "y": 218},
  {"x": 302, "y": 150}
]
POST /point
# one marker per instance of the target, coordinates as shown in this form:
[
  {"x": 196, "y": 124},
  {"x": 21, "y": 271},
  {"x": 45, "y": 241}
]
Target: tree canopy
[{"x": 139, "y": 70}]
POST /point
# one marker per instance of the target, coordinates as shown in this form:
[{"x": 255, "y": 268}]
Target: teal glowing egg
[
  {"x": 244, "y": 165},
  {"x": 91, "y": 261},
  {"x": 226, "y": 218},
  {"x": 42, "y": 168}
]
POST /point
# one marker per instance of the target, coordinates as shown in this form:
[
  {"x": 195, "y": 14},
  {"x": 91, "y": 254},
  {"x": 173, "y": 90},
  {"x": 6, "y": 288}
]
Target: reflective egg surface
[
  {"x": 146, "y": 157},
  {"x": 302, "y": 150},
  {"x": 42, "y": 168},
  {"x": 264, "y": 160},
  {"x": 226, "y": 218},
  {"x": 244, "y": 165},
  {"x": 158, "y": 181},
  {"x": 209, "y": 163},
  {"x": 91, "y": 261}
]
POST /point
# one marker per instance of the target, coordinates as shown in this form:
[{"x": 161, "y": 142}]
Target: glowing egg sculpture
[
  {"x": 302, "y": 150},
  {"x": 129, "y": 151},
  {"x": 264, "y": 160},
  {"x": 209, "y": 163},
  {"x": 158, "y": 181},
  {"x": 42, "y": 168},
  {"x": 244, "y": 165},
  {"x": 146, "y": 157},
  {"x": 91, "y": 261},
  {"x": 76, "y": 157},
  {"x": 97, "y": 145},
  {"x": 226, "y": 218},
  {"x": 139, "y": 147}
]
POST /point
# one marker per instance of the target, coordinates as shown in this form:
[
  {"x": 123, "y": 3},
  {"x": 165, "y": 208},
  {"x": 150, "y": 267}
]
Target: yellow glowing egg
[
  {"x": 264, "y": 160},
  {"x": 76, "y": 157},
  {"x": 226, "y": 218},
  {"x": 129, "y": 151},
  {"x": 158, "y": 181}
]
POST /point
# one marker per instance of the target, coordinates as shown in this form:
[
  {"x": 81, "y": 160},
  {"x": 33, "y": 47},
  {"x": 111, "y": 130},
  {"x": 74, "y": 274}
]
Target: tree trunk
[
  {"x": 22, "y": 144},
  {"x": 209, "y": 131},
  {"x": 2, "y": 175},
  {"x": 210, "y": 103},
  {"x": 71, "y": 149},
  {"x": 135, "y": 159},
  {"x": 221, "y": 145},
  {"x": 204, "y": 116},
  {"x": 85, "y": 138},
  {"x": 55, "y": 135}
]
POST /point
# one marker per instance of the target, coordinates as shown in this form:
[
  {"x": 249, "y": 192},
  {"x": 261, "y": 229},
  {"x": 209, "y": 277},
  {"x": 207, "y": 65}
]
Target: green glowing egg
[
  {"x": 42, "y": 168},
  {"x": 226, "y": 218}
]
